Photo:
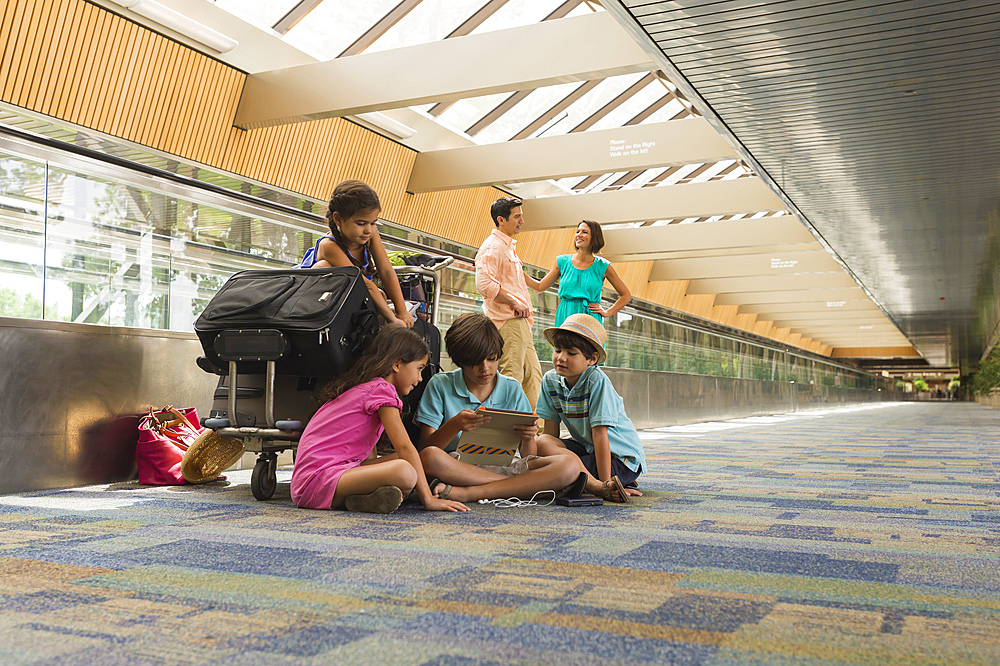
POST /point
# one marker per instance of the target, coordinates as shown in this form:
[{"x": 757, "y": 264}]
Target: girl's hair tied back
[{"x": 392, "y": 344}]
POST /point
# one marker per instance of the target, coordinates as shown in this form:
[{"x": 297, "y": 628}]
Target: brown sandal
[
  {"x": 576, "y": 488},
  {"x": 609, "y": 488},
  {"x": 443, "y": 494}
]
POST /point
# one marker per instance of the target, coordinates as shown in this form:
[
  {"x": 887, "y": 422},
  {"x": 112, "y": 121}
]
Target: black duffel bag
[{"x": 326, "y": 314}]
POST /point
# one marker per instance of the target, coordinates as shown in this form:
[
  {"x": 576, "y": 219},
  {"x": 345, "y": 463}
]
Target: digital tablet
[{"x": 496, "y": 442}]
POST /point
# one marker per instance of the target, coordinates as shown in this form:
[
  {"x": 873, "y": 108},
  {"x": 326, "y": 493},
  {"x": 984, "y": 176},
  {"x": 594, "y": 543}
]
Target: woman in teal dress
[{"x": 581, "y": 277}]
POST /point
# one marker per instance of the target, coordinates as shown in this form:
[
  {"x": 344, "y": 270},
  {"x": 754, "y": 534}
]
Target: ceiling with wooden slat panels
[{"x": 605, "y": 132}]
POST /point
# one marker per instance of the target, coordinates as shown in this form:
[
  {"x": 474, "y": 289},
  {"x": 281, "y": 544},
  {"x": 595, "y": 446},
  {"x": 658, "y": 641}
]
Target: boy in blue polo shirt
[
  {"x": 577, "y": 393},
  {"x": 448, "y": 408}
]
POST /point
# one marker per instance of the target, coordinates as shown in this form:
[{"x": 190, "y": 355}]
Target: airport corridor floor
[{"x": 845, "y": 536}]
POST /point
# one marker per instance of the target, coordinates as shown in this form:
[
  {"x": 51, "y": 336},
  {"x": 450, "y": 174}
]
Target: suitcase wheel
[
  {"x": 288, "y": 425},
  {"x": 216, "y": 423},
  {"x": 263, "y": 480}
]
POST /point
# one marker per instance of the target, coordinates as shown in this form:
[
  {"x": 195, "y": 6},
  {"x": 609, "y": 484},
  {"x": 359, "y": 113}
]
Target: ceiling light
[
  {"x": 188, "y": 27},
  {"x": 384, "y": 122}
]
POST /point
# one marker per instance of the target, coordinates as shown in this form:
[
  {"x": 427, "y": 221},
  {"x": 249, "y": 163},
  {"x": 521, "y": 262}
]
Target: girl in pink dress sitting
[{"x": 335, "y": 466}]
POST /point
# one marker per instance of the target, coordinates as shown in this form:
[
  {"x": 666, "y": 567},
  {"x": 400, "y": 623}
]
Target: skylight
[
  {"x": 516, "y": 13},
  {"x": 261, "y": 13},
  {"x": 334, "y": 25},
  {"x": 430, "y": 21}
]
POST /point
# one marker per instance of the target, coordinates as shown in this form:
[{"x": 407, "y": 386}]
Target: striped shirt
[{"x": 592, "y": 401}]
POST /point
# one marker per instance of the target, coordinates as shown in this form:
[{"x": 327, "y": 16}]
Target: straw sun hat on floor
[{"x": 209, "y": 455}]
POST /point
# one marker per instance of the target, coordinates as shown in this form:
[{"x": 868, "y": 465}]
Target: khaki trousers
[{"x": 519, "y": 359}]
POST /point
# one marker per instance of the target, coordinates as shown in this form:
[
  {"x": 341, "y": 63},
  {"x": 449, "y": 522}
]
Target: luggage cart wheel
[{"x": 263, "y": 480}]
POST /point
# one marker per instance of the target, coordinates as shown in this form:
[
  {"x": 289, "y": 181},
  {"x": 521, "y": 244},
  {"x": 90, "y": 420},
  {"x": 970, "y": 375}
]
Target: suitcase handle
[{"x": 251, "y": 345}]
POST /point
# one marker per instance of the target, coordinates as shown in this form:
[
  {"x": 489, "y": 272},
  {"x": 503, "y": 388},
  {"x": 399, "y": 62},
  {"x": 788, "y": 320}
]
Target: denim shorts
[{"x": 618, "y": 468}]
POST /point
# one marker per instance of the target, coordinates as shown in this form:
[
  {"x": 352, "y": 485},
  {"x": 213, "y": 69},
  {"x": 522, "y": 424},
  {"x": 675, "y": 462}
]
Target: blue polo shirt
[
  {"x": 591, "y": 402},
  {"x": 446, "y": 395}
]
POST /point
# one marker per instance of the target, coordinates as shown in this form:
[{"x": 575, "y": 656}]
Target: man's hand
[{"x": 521, "y": 311}]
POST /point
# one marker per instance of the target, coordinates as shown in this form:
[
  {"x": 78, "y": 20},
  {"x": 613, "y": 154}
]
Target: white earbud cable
[{"x": 514, "y": 502}]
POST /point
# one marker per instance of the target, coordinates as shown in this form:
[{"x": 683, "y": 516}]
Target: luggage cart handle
[
  {"x": 432, "y": 273},
  {"x": 428, "y": 271}
]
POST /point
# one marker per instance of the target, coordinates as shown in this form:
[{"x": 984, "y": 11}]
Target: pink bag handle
[{"x": 150, "y": 422}]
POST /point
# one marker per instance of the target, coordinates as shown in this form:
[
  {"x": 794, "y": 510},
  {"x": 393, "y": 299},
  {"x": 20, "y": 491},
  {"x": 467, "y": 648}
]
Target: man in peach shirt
[{"x": 500, "y": 281}]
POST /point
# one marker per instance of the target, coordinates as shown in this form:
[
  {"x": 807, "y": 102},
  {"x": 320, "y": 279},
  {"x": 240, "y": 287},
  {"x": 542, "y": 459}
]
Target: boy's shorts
[
  {"x": 618, "y": 468},
  {"x": 517, "y": 466}
]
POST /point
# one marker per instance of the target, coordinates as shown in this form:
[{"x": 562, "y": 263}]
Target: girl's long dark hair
[
  {"x": 348, "y": 198},
  {"x": 393, "y": 343}
]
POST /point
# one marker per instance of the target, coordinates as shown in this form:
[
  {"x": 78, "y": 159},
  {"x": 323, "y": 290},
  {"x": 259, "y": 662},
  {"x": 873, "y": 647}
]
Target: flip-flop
[
  {"x": 608, "y": 491},
  {"x": 438, "y": 482},
  {"x": 385, "y": 499},
  {"x": 625, "y": 499},
  {"x": 576, "y": 488}
]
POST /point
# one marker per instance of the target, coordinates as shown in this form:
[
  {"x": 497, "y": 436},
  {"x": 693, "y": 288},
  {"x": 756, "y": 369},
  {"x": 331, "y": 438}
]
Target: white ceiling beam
[
  {"x": 258, "y": 50},
  {"x": 688, "y": 141},
  {"x": 818, "y": 296},
  {"x": 770, "y": 262},
  {"x": 855, "y": 319},
  {"x": 809, "y": 309},
  {"x": 648, "y": 243},
  {"x": 723, "y": 197},
  {"x": 854, "y": 341},
  {"x": 714, "y": 252},
  {"x": 759, "y": 283},
  {"x": 523, "y": 58},
  {"x": 883, "y": 325}
]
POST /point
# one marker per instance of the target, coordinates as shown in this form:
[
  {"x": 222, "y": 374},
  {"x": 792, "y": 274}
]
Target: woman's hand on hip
[{"x": 596, "y": 308}]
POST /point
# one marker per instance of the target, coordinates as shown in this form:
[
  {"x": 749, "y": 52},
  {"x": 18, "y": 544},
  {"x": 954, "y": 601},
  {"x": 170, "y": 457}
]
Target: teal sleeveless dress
[{"x": 578, "y": 289}]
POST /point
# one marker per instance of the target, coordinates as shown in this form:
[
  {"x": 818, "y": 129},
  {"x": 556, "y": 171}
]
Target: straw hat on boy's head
[{"x": 586, "y": 326}]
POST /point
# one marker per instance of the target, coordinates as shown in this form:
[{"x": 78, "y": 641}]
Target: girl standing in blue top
[{"x": 581, "y": 277}]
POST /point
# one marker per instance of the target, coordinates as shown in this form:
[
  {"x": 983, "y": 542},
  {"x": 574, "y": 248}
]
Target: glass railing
[{"x": 90, "y": 242}]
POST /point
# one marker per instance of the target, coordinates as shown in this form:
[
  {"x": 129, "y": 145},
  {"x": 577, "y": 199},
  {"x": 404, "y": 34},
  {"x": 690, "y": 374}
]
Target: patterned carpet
[{"x": 855, "y": 536}]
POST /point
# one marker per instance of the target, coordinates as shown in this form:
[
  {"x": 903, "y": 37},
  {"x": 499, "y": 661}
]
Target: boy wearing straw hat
[{"x": 578, "y": 394}]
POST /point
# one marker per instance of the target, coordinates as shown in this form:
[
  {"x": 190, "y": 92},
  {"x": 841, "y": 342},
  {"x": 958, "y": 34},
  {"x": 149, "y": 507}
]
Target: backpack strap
[{"x": 312, "y": 255}]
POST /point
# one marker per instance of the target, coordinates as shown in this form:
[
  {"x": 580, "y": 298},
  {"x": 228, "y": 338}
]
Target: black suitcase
[{"x": 326, "y": 314}]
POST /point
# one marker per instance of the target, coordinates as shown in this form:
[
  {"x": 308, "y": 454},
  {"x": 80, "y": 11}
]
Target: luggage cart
[{"x": 259, "y": 398}]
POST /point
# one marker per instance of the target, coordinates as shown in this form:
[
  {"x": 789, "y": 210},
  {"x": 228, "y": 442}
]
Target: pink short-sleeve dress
[{"x": 339, "y": 436}]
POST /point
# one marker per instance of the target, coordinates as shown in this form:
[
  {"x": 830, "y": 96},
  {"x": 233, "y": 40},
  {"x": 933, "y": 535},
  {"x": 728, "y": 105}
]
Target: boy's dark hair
[
  {"x": 393, "y": 343},
  {"x": 568, "y": 339},
  {"x": 596, "y": 236},
  {"x": 471, "y": 339},
  {"x": 502, "y": 207}
]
